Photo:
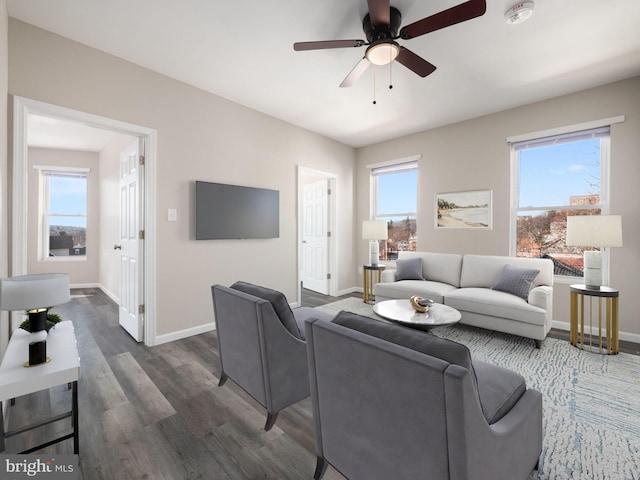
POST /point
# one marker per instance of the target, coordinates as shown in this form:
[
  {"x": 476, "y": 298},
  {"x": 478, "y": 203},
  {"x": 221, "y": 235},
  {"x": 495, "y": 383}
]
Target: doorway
[
  {"x": 316, "y": 231},
  {"x": 23, "y": 108}
]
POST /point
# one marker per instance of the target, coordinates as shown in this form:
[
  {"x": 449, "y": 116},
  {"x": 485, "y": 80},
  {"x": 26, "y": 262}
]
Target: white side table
[{"x": 17, "y": 380}]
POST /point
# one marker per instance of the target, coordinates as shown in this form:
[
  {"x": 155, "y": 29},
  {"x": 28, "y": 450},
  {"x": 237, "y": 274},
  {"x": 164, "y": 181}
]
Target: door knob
[{"x": 117, "y": 247}]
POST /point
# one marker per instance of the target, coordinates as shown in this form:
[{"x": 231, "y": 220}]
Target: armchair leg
[
  {"x": 321, "y": 467},
  {"x": 538, "y": 343},
  {"x": 271, "y": 419},
  {"x": 537, "y": 467},
  {"x": 223, "y": 378}
]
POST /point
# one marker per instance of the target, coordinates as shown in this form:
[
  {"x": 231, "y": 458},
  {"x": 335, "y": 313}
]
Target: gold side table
[
  {"x": 368, "y": 272},
  {"x": 606, "y": 316}
]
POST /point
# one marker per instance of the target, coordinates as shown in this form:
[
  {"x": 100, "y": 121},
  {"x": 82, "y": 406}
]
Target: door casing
[
  {"x": 333, "y": 228},
  {"x": 22, "y": 107}
]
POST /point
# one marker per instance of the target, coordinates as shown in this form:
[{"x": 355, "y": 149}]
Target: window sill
[
  {"x": 70, "y": 258},
  {"x": 565, "y": 280}
]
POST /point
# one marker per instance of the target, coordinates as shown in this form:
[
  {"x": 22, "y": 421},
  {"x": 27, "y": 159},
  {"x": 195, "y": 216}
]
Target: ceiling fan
[{"x": 381, "y": 26}]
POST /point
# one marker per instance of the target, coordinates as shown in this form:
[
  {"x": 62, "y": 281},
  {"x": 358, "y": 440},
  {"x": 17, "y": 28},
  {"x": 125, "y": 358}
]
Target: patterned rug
[{"x": 591, "y": 402}]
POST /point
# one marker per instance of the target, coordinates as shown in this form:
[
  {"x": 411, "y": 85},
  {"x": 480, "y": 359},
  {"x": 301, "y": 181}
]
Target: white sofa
[{"x": 464, "y": 282}]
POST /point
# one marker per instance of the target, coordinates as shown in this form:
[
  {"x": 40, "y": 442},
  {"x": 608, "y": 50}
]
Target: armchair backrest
[
  {"x": 278, "y": 302},
  {"x": 257, "y": 351},
  {"x": 380, "y": 409}
]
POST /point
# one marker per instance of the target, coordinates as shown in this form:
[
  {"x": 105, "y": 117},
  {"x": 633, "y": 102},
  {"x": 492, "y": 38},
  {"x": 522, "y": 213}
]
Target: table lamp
[
  {"x": 36, "y": 294},
  {"x": 374, "y": 231},
  {"x": 594, "y": 231}
]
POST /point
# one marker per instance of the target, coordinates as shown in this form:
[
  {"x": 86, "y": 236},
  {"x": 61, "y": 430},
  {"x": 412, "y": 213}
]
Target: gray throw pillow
[
  {"x": 516, "y": 281},
  {"x": 277, "y": 300},
  {"x": 409, "y": 269}
]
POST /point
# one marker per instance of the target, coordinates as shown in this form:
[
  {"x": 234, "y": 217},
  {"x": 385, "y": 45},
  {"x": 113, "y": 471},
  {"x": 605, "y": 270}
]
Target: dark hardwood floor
[{"x": 157, "y": 413}]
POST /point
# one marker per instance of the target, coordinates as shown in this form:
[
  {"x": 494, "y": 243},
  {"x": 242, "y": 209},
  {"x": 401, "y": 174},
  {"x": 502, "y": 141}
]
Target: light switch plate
[{"x": 172, "y": 215}]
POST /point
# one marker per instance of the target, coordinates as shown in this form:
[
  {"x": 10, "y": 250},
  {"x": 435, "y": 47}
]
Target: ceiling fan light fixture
[
  {"x": 519, "y": 12},
  {"x": 382, "y": 53}
]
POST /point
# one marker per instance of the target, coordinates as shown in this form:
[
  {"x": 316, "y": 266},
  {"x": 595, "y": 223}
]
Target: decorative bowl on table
[{"x": 420, "y": 304}]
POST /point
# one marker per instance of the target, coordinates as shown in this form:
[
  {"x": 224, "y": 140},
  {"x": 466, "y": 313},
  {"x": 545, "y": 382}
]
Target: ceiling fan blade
[
  {"x": 356, "y": 73},
  {"x": 460, "y": 13},
  {"x": 298, "y": 46},
  {"x": 415, "y": 63},
  {"x": 379, "y": 13}
]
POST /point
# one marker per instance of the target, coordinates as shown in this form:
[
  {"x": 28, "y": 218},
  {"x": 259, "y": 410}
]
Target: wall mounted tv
[{"x": 235, "y": 212}]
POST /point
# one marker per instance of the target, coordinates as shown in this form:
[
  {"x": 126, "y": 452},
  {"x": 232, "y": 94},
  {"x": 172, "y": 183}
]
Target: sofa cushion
[
  {"x": 436, "y": 291},
  {"x": 499, "y": 389},
  {"x": 277, "y": 300},
  {"x": 495, "y": 303},
  {"x": 484, "y": 270},
  {"x": 417, "y": 340},
  {"x": 409, "y": 269},
  {"x": 438, "y": 267},
  {"x": 516, "y": 280}
]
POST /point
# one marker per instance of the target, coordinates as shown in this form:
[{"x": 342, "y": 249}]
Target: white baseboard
[
  {"x": 627, "y": 336},
  {"x": 188, "y": 332},
  {"x": 84, "y": 285},
  {"x": 109, "y": 294},
  {"x": 349, "y": 290},
  {"x": 104, "y": 289}
]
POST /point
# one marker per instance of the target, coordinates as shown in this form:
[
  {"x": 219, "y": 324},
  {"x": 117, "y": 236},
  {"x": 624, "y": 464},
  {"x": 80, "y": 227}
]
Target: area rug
[{"x": 591, "y": 402}]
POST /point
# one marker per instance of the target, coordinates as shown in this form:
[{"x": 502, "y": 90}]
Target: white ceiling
[
  {"x": 242, "y": 50},
  {"x": 45, "y": 132}
]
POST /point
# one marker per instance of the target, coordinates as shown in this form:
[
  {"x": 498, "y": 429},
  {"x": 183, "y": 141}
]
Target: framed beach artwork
[{"x": 464, "y": 209}]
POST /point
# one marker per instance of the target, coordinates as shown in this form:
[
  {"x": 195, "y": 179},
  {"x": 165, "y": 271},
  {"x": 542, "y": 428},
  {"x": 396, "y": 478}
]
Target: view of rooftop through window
[
  {"x": 67, "y": 214},
  {"x": 397, "y": 205},
  {"x": 557, "y": 180}
]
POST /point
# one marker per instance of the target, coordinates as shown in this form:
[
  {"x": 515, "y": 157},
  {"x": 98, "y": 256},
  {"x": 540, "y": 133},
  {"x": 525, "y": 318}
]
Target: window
[
  {"x": 555, "y": 177},
  {"x": 394, "y": 190},
  {"x": 63, "y": 213}
]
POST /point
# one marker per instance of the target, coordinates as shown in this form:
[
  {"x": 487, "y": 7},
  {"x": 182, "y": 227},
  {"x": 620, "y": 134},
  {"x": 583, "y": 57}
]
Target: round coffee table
[{"x": 402, "y": 312}]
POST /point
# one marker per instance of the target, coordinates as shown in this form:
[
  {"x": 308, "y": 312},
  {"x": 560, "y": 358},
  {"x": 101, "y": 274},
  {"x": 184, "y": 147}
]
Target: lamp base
[
  {"x": 37, "y": 352},
  {"x": 593, "y": 269},
  {"x": 26, "y": 364},
  {"x": 374, "y": 252}
]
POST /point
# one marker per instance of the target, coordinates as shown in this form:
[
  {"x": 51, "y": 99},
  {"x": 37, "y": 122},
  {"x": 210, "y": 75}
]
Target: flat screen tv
[{"x": 236, "y": 212}]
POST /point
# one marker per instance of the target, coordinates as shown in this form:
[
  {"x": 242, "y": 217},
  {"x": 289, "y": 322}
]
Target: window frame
[
  {"x": 44, "y": 214},
  {"x": 571, "y": 131},
  {"x": 384, "y": 168}
]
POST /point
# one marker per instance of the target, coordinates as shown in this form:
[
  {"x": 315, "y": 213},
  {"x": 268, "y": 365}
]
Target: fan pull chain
[
  {"x": 390, "y": 74},
  {"x": 374, "y": 86}
]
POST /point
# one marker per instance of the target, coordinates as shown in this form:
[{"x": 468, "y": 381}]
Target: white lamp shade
[
  {"x": 26, "y": 292},
  {"x": 594, "y": 230},
  {"x": 374, "y": 230}
]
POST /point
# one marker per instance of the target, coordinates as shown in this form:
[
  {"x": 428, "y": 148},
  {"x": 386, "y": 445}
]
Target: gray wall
[
  {"x": 474, "y": 155},
  {"x": 81, "y": 271},
  {"x": 200, "y": 137},
  {"x": 4, "y": 211}
]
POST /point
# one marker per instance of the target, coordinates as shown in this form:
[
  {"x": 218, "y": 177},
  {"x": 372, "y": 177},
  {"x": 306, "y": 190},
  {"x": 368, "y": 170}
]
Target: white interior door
[
  {"x": 131, "y": 311},
  {"x": 315, "y": 237}
]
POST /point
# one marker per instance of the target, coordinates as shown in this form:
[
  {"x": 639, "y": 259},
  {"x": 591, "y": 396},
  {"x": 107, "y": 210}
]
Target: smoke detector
[{"x": 519, "y": 13}]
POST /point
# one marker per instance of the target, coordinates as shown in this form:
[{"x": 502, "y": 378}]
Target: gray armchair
[
  {"x": 261, "y": 344},
  {"x": 393, "y": 402}
]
